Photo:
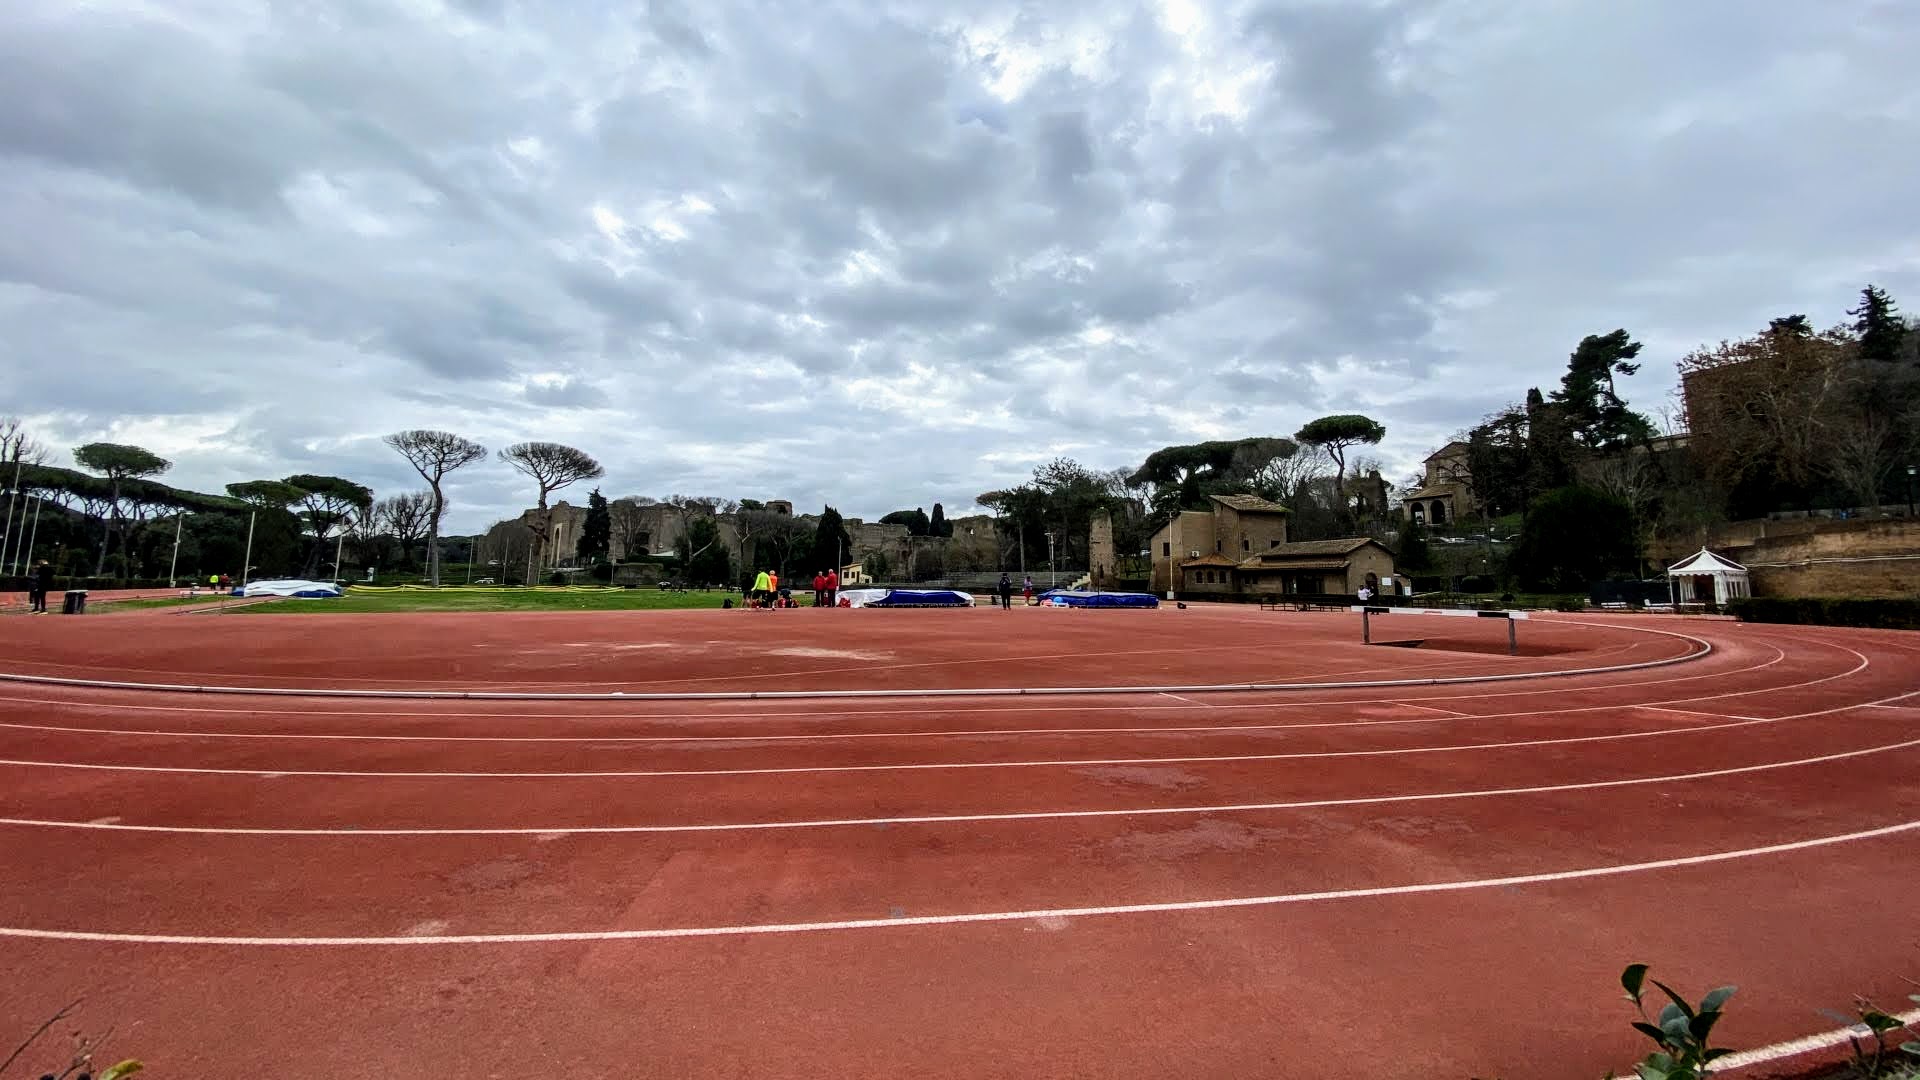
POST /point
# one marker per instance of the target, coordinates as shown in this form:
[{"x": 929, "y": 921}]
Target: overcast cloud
[{"x": 888, "y": 256}]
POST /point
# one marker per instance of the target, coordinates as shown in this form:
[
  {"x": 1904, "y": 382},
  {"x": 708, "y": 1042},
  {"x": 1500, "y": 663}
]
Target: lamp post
[
  {"x": 1911, "y": 470},
  {"x": 173, "y": 568}
]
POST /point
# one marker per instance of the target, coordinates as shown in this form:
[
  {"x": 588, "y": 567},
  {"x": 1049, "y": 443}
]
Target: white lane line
[
  {"x": 947, "y": 819},
  {"x": 1188, "y": 700},
  {"x": 1705, "y": 648},
  {"x": 927, "y": 766},
  {"x": 802, "y": 710},
  {"x": 1715, "y": 715},
  {"x": 1807, "y": 1045},
  {"x": 1445, "y": 715},
  {"x": 979, "y": 916},
  {"x": 1452, "y": 713}
]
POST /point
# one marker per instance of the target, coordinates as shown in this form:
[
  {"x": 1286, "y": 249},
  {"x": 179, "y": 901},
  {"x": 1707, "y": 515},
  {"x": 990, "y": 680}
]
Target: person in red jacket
[
  {"x": 833, "y": 587},
  {"x": 819, "y": 589}
]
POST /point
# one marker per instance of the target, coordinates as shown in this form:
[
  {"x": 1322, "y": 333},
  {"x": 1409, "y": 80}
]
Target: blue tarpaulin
[
  {"x": 1070, "y": 598},
  {"x": 922, "y": 598}
]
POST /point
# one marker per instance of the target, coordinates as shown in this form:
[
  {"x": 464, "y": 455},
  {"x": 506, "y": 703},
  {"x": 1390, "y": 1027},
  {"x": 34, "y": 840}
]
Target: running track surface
[{"x": 1453, "y": 873}]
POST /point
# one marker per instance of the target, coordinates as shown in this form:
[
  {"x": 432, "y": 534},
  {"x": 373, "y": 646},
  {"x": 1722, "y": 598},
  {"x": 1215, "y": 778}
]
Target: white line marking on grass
[
  {"x": 980, "y": 916},
  {"x": 946, "y": 819},
  {"x": 1807, "y": 1045}
]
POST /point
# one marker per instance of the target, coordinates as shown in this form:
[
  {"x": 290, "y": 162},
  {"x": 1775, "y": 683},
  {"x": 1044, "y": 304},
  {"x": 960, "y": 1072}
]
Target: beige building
[
  {"x": 1239, "y": 547},
  {"x": 1232, "y": 528},
  {"x": 1445, "y": 494},
  {"x": 1332, "y": 567}
]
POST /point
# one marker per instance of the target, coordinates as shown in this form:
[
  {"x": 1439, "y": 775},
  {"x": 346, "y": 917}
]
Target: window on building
[
  {"x": 1246, "y": 544},
  {"x": 1273, "y": 543},
  {"x": 1166, "y": 548},
  {"x": 1216, "y": 547}
]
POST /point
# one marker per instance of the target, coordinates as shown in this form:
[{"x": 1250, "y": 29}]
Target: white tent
[{"x": 1706, "y": 578}]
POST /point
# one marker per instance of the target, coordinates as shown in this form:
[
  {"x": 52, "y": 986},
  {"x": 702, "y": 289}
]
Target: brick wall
[{"x": 1822, "y": 557}]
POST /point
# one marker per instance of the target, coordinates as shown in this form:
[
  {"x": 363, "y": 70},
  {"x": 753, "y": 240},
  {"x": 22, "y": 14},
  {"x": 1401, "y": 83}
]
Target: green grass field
[
  {"x": 459, "y": 599},
  {"x": 203, "y": 600}
]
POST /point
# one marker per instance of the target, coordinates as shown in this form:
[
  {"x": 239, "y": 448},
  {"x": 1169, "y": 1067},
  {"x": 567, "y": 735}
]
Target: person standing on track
[
  {"x": 819, "y": 589},
  {"x": 1027, "y": 594},
  {"x": 762, "y": 591},
  {"x": 1006, "y": 592},
  {"x": 833, "y": 588},
  {"x": 41, "y": 585}
]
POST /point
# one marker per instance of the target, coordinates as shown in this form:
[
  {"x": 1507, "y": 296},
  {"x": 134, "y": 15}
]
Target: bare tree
[
  {"x": 551, "y": 466},
  {"x": 17, "y": 449},
  {"x": 407, "y": 517},
  {"x": 434, "y": 454},
  {"x": 627, "y": 521},
  {"x": 693, "y": 508}
]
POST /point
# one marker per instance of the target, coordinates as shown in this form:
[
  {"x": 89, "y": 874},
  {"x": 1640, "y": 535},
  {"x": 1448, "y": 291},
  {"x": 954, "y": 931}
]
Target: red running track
[{"x": 1268, "y": 884}]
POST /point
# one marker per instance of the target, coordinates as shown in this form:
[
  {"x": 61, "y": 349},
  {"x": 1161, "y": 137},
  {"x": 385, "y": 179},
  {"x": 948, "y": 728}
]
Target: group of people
[
  {"x": 765, "y": 592},
  {"x": 1006, "y": 591}
]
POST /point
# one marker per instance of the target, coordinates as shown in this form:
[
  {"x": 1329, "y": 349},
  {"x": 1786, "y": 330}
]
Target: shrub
[
  {"x": 1888, "y": 614},
  {"x": 1682, "y": 1032},
  {"x": 1570, "y": 603},
  {"x": 603, "y": 573}
]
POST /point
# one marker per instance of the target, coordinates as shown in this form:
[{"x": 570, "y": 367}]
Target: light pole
[
  {"x": 34, "y": 536},
  {"x": 1173, "y": 516},
  {"x": 1911, "y": 470},
  {"x": 12, "y": 491},
  {"x": 339, "y": 547},
  {"x": 246, "y": 561},
  {"x": 1053, "y": 564},
  {"x": 173, "y": 568}
]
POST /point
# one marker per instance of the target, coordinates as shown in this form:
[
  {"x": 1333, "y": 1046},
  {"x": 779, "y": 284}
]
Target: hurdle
[{"x": 1511, "y": 617}]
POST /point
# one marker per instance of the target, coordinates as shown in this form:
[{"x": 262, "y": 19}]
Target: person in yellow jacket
[{"x": 762, "y": 590}]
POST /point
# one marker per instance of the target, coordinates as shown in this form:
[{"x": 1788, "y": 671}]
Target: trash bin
[{"x": 76, "y": 602}]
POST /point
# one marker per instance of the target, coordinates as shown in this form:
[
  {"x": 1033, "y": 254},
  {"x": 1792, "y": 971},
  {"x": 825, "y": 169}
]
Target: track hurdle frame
[{"x": 1367, "y": 612}]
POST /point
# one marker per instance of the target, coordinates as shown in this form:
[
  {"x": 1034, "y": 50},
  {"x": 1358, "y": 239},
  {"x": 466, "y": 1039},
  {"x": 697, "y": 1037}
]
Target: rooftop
[{"x": 1250, "y": 504}]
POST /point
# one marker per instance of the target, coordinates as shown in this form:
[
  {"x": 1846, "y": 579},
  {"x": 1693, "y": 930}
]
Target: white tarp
[{"x": 314, "y": 589}]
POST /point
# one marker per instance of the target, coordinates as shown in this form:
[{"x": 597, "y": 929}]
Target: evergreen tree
[
  {"x": 1877, "y": 321},
  {"x": 1550, "y": 447},
  {"x": 1574, "y": 537},
  {"x": 596, "y": 533},
  {"x": 831, "y": 539},
  {"x": 938, "y": 525},
  {"x": 1414, "y": 554},
  {"x": 1588, "y": 398},
  {"x": 915, "y": 520}
]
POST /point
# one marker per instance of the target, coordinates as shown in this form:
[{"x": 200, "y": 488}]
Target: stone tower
[{"x": 1100, "y": 554}]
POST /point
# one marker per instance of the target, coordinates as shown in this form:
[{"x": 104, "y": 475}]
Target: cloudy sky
[{"x": 890, "y": 254}]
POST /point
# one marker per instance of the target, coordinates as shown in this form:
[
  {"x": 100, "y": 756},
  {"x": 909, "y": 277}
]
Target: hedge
[{"x": 1891, "y": 614}]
